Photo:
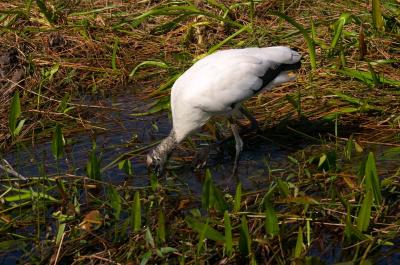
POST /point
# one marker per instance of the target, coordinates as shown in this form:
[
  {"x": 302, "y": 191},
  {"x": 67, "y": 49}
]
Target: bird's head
[{"x": 155, "y": 163}]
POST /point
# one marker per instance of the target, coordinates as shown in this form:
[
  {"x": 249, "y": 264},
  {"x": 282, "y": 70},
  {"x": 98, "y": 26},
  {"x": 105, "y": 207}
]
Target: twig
[{"x": 10, "y": 170}]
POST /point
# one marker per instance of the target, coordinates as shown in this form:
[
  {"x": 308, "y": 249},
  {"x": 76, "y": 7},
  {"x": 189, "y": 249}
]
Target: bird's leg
[
  {"x": 253, "y": 122},
  {"x": 238, "y": 144}
]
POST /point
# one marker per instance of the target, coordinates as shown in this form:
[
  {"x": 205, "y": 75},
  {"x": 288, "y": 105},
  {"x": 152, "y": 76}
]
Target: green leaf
[
  {"x": 19, "y": 127},
  {"x": 343, "y": 20},
  {"x": 228, "y": 234},
  {"x": 377, "y": 17},
  {"x": 392, "y": 152},
  {"x": 199, "y": 227},
  {"x": 28, "y": 195},
  {"x": 238, "y": 197},
  {"x": 48, "y": 14},
  {"x": 372, "y": 181},
  {"x": 355, "y": 232},
  {"x": 166, "y": 250},
  {"x": 159, "y": 105},
  {"x": 149, "y": 238},
  {"x": 57, "y": 143},
  {"x": 207, "y": 195},
  {"x": 244, "y": 240},
  {"x": 364, "y": 215},
  {"x": 60, "y": 232},
  {"x": 348, "y": 150},
  {"x": 94, "y": 11},
  {"x": 367, "y": 77},
  {"x": 295, "y": 100},
  {"x": 304, "y": 32},
  {"x": 299, "y": 244},
  {"x": 170, "y": 25},
  {"x": 220, "y": 44},
  {"x": 284, "y": 187},
  {"x": 136, "y": 213},
  {"x": 93, "y": 166},
  {"x": 114, "y": 202},
  {"x": 161, "y": 226},
  {"x": 220, "y": 203},
  {"x": 271, "y": 219},
  {"x": 14, "y": 113},
  {"x": 148, "y": 63},
  {"x": 126, "y": 166},
  {"x": 146, "y": 257},
  {"x": 176, "y": 10}
]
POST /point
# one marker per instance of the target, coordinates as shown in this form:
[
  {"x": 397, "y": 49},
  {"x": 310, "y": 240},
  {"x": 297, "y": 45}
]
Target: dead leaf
[{"x": 91, "y": 221}]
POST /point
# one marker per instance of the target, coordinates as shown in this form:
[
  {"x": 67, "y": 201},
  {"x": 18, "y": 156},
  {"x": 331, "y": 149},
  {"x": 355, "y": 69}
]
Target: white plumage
[{"x": 217, "y": 84}]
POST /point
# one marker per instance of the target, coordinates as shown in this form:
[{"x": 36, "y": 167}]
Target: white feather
[{"x": 224, "y": 78}]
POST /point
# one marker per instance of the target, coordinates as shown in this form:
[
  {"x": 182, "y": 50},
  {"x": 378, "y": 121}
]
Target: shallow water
[
  {"x": 121, "y": 128},
  {"x": 125, "y": 133}
]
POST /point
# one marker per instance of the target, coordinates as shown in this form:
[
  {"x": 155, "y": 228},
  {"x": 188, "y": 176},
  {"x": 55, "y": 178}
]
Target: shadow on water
[
  {"x": 262, "y": 154},
  {"x": 124, "y": 133}
]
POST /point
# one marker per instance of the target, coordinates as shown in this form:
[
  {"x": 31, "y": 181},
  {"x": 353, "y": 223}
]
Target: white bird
[{"x": 218, "y": 84}]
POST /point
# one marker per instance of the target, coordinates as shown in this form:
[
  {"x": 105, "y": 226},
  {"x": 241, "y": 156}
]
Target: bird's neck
[{"x": 167, "y": 145}]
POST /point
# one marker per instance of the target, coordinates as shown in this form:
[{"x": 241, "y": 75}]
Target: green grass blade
[
  {"x": 238, "y": 198},
  {"x": 283, "y": 187},
  {"x": 161, "y": 227},
  {"x": 308, "y": 232},
  {"x": 299, "y": 244},
  {"x": 372, "y": 181},
  {"x": 14, "y": 113},
  {"x": 93, "y": 166},
  {"x": 377, "y": 17},
  {"x": 201, "y": 228},
  {"x": 114, "y": 200},
  {"x": 271, "y": 219},
  {"x": 145, "y": 258},
  {"x": 94, "y": 11},
  {"x": 303, "y": 31},
  {"x": 207, "y": 195},
  {"x": 178, "y": 11},
  {"x": 170, "y": 25},
  {"x": 220, "y": 44},
  {"x": 367, "y": 78},
  {"x": 228, "y": 234},
  {"x": 158, "y": 105},
  {"x": 375, "y": 77},
  {"x": 148, "y": 63},
  {"x": 48, "y": 14},
  {"x": 136, "y": 213},
  {"x": 149, "y": 238},
  {"x": 57, "y": 143},
  {"x": 364, "y": 215},
  {"x": 126, "y": 166},
  {"x": 343, "y": 20},
  {"x": 244, "y": 240},
  {"x": 60, "y": 233},
  {"x": 220, "y": 203},
  {"x": 24, "y": 194}
]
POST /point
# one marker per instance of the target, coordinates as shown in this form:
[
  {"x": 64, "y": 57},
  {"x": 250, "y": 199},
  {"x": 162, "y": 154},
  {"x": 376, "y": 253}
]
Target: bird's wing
[{"x": 221, "y": 82}]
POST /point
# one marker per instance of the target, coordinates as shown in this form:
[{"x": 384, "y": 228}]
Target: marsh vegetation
[{"x": 85, "y": 94}]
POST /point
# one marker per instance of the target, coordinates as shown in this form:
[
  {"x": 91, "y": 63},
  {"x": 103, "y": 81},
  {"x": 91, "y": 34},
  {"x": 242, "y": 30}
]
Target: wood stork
[{"x": 218, "y": 84}]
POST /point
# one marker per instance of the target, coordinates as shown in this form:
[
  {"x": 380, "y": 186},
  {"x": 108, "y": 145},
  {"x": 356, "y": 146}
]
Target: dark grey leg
[
  {"x": 254, "y": 123},
  {"x": 238, "y": 145}
]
